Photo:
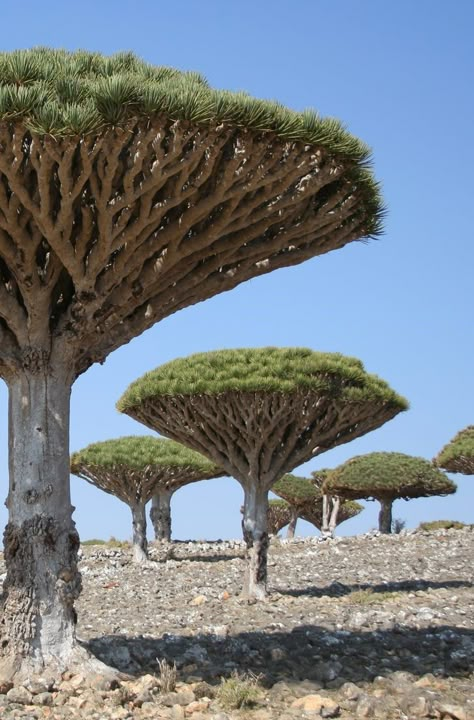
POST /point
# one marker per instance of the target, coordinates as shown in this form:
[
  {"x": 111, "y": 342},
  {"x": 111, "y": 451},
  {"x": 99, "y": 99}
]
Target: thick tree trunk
[
  {"x": 140, "y": 545},
  {"x": 385, "y": 515},
  {"x": 37, "y": 628},
  {"x": 254, "y": 526},
  {"x": 160, "y": 514},
  {"x": 290, "y": 533}
]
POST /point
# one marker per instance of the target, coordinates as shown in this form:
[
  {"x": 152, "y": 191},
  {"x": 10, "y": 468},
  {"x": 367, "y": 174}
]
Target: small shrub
[
  {"x": 168, "y": 675},
  {"x": 398, "y": 525},
  {"x": 441, "y": 525},
  {"x": 238, "y": 691},
  {"x": 369, "y": 597},
  {"x": 94, "y": 541},
  {"x": 113, "y": 542}
]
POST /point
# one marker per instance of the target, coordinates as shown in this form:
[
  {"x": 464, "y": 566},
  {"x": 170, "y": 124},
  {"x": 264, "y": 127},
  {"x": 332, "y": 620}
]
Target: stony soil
[{"x": 372, "y": 626}]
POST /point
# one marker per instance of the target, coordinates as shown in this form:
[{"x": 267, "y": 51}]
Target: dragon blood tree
[
  {"x": 387, "y": 476},
  {"x": 306, "y": 501},
  {"x": 333, "y": 510},
  {"x": 299, "y": 493},
  {"x": 279, "y": 514},
  {"x": 258, "y": 413},
  {"x": 128, "y": 192},
  {"x": 458, "y": 455},
  {"x": 133, "y": 468}
]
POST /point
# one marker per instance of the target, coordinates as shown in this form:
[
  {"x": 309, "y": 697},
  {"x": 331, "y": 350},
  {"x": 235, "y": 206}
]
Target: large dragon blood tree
[
  {"x": 134, "y": 468},
  {"x": 128, "y": 192},
  {"x": 258, "y": 413},
  {"x": 307, "y": 501},
  {"x": 458, "y": 455},
  {"x": 386, "y": 477}
]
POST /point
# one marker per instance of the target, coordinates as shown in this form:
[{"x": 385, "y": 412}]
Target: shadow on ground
[
  {"x": 337, "y": 589},
  {"x": 308, "y": 652}
]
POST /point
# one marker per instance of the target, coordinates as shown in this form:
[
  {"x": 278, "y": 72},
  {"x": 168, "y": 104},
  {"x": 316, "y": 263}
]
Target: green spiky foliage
[
  {"x": 458, "y": 455},
  {"x": 133, "y": 467},
  {"x": 140, "y": 452},
  {"x": 296, "y": 490},
  {"x": 387, "y": 474},
  {"x": 65, "y": 93},
  {"x": 267, "y": 370},
  {"x": 318, "y": 477}
]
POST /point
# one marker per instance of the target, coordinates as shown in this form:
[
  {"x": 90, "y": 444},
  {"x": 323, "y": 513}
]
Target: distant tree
[
  {"x": 317, "y": 514},
  {"x": 128, "y": 192},
  {"x": 258, "y": 413},
  {"x": 458, "y": 455},
  {"x": 279, "y": 514},
  {"x": 387, "y": 476},
  {"x": 307, "y": 502},
  {"x": 133, "y": 468}
]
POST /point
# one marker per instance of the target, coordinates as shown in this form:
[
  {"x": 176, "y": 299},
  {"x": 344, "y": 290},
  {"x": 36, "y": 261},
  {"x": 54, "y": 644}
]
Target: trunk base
[
  {"x": 17, "y": 670},
  {"x": 37, "y": 627}
]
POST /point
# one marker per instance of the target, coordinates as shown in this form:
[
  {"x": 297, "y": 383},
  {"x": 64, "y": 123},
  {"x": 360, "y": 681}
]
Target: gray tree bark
[
  {"x": 37, "y": 627},
  {"x": 254, "y": 526},
  {"x": 385, "y": 515},
  {"x": 160, "y": 514},
  {"x": 290, "y": 533},
  {"x": 139, "y": 541},
  {"x": 330, "y": 513},
  {"x": 336, "y": 502}
]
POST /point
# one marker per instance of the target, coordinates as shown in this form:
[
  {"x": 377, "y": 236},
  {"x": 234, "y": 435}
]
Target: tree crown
[
  {"x": 458, "y": 454},
  {"x": 140, "y": 452},
  {"x": 387, "y": 474},
  {"x": 270, "y": 369},
  {"x": 59, "y": 92},
  {"x": 296, "y": 490}
]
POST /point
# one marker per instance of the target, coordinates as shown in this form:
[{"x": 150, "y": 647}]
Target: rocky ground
[{"x": 365, "y": 627}]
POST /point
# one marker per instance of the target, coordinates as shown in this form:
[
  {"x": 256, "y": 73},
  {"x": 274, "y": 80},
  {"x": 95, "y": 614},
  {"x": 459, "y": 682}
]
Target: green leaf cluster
[
  {"x": 269, "y": 369},
  {"x": 278, "y": 504},
  {"x": 458, "y": 455},
  {"x": 142, "y": 451},
  {"x": 58, "y": 92},
  {"x": 296, "y": 490},
  {"x": 387, "y": 475}
]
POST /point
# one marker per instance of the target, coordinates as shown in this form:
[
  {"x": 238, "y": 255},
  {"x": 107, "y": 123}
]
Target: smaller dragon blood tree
[
  {"x": 306, "y": 501},
  {"x": 258, "y": 413},
  {"x": 458, "y": 455},
  {"x": 387, "y": 476},
  {"x": 134, "y": 468},
  {"x": 279, "y": 514}
]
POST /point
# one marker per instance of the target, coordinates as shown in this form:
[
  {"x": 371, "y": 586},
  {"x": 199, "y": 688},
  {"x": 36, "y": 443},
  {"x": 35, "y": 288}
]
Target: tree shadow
[
  {"x": 307, "y": 653},
  {"x": 337, "y": 589}
]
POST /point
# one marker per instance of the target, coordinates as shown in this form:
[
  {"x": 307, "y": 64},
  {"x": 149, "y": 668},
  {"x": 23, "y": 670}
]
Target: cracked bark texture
[
  {"x": 385, "y": 514},
  {"x": 257, "y": 437},
  {"x": 40, "y": 540},
  {"x": 103, "y": 235},
  {"x": 160, "y": 513}
]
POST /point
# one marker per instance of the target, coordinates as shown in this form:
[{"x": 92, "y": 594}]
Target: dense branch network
[
  {"x": 228, "y": 427},
  {"x": 102, "y": 236}
]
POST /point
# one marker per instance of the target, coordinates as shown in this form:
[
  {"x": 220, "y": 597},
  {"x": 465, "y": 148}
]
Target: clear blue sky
[{"x": 400, "y": 76}]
